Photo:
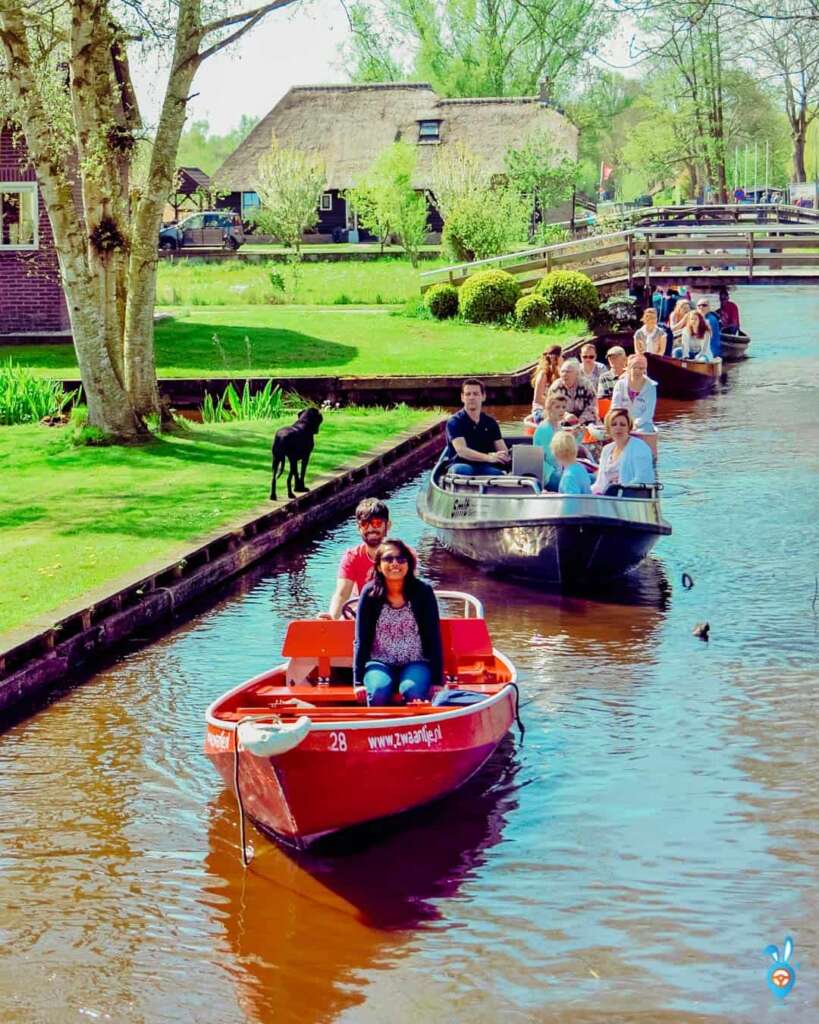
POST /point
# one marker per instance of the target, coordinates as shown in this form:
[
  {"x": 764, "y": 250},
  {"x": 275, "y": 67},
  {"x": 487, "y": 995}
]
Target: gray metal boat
[{"x": 506, "y": 524}]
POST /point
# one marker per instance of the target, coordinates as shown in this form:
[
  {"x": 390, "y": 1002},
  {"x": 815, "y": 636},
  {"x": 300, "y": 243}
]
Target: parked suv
[{"x": 213, "y": 228}]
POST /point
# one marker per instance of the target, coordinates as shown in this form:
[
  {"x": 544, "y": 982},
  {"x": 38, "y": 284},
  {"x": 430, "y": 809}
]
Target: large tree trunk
[{"x": 140, "y": 363}]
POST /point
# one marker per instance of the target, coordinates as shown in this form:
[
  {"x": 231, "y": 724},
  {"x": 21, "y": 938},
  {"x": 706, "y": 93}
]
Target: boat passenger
[
  {"x": 546, "y": 373},
  {"x": 616, "y": 357},
  {"x": 573, "y": 477},
  {"x": 580, "y": 397},
  {"x": 679, "y": 318},
  {"x": 658, "y": 300},
  {"x": 555, "y": 411},
  {"x": 728, "y": 313},
  {"x": 592, "y": 369},
  {"x": 670, "y": 301},
  {"x": 711, "y": 318},
  {"x": 626, "y": 461},
  {"x": 474, "y": 441},
  {"x": 695, "y": 339},
  {"x": 637, "y": 393},
  {"x": 397, "y": 630},
  {"x": 650, "y": 337},
  {"x": 372, "y": 517}
]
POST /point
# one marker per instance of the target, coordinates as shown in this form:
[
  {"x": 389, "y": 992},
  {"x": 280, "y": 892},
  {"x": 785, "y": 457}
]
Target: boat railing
[
  {"x": 471, "y": 603},
  {"x": 482, "y": 484}
]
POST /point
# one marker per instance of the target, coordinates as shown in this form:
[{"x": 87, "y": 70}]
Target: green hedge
[
  {"x": 488, "y": 296},
  {"x": 569, "y": 295},
  {"x": 442, "y": 301},
  {"x": 531, "y": 311}
]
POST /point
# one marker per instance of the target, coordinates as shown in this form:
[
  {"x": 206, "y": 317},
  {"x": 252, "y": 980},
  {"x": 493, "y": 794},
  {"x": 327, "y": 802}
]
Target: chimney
[{"x": 545, "y": 90}]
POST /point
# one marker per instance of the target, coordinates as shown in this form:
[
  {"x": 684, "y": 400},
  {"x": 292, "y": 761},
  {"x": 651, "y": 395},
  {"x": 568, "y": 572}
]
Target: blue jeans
[
  {"x": 468, "y": 469},
  {"x": 382, "y": 681}
]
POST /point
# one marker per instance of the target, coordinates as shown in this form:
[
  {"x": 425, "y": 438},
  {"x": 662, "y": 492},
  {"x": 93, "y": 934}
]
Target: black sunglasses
[{"x": 400, "y": 559}]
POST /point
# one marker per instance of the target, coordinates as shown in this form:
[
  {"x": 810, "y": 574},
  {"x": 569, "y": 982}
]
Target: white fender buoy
[{"x": 267, "y": 739}]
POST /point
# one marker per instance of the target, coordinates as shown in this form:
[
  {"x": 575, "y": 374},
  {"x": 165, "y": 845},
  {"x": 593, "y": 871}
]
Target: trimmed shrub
[
  {"x": 531, "y": 311},
  {"x": 442, "y": 301},
  {"x": 569, "y": 295},
  {"x": 488, "y": 296}
]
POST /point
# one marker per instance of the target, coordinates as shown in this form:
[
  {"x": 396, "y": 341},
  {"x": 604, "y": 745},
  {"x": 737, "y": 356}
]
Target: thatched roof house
[{"x": 348, "y": 125}]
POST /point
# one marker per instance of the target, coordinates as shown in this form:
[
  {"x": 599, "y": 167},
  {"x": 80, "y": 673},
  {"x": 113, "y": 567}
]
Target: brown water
[{"x": 629, "y": 862}]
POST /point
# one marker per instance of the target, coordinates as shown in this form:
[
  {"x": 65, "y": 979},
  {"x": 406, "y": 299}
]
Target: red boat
[{"x": 312, "y": 759}]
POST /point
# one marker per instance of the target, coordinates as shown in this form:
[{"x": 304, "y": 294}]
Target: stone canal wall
[{"x": 47, "y": 653}]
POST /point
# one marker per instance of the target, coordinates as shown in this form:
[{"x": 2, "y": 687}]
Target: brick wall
[{"x": 31, "y": 296}]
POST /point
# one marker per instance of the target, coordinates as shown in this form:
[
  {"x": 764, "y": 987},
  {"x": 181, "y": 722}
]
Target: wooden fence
[{"x": 736, "y": 253}]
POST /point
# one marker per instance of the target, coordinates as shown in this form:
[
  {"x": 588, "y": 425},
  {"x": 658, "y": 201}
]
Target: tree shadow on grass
[{"x": 238, "y": 349}]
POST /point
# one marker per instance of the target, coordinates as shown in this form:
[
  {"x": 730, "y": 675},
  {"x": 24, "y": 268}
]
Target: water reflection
[{"x": 350, "y": 905}]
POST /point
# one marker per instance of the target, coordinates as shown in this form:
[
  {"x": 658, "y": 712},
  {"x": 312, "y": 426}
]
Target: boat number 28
[{"x": 338, "y": 741}]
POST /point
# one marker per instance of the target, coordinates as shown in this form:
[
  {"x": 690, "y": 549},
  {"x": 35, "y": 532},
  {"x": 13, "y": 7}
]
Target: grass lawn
[
  {"x": 75, "y": 518},
  {"x": 279, "y": 340},
  {"x": 373, "y": 283}
]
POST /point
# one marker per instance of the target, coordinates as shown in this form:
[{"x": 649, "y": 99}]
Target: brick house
[
  {"x": 31, "y": 295},
  {"x": 349, "y": 125}
]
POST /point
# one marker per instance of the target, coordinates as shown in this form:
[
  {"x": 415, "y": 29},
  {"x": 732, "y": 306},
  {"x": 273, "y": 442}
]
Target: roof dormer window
[{"x": 429, "y": 131}]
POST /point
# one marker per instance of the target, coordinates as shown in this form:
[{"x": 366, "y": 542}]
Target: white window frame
[
  {"x": 326, "y": 205},
  {"x": 31, "y": 187}
]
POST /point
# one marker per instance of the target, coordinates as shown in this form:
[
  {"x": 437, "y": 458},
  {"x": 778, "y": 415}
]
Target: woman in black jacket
[{"x": 397, "y": 630}]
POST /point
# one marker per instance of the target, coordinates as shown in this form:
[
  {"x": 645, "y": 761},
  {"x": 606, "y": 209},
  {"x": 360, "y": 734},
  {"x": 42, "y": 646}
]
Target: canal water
[{"x": 628, "y": 862}]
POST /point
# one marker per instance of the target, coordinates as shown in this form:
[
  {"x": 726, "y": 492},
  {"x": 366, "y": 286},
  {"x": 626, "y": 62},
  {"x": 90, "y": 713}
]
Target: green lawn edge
[
  {"x": 279, "y": 341},
  {"x": 75, "y": 519}
]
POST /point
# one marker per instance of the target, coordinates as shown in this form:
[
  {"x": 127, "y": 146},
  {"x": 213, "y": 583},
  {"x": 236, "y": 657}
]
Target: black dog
[{"x": 295, "y": 444}]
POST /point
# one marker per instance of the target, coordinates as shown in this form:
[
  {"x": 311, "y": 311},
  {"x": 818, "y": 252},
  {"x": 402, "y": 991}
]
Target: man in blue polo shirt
[{"x": 474, "y": 439}]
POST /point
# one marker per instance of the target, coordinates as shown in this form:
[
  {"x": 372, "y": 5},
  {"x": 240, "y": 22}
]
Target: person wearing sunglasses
[
  {"x": 592, "y": 370},
  {"x": 372, "y": 518},
  {"x": 398, "y": 650},
  {"x": 711, "y": 318}
]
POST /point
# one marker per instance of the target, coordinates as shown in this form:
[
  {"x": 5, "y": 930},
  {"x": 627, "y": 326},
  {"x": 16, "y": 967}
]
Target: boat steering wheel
[{"x": 350, "y": 607}]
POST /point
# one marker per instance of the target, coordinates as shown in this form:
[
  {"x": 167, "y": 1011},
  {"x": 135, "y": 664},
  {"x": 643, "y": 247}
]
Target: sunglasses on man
[{"x": 375, "y": 524}]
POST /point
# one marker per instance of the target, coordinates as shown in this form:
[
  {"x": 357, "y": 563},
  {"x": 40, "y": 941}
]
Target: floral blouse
[{"x": 397, "y": 640}]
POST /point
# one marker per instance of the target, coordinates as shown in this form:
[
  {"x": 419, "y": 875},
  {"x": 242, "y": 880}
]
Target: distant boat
[
  {"x": 735, "y": 345},
  {"x": 683, "y": 378}
]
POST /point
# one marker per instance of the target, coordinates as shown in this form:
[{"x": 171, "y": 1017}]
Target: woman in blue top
[
  {"x": 573, "y": 479},
  {"x": 555, "y": 410}
]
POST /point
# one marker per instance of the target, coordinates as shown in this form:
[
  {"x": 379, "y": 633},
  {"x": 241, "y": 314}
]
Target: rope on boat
[
  {"x": 518, "y": 719},
  {"x": 238, "y": 791}
]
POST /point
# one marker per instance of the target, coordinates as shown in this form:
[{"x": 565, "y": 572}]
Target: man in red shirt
[{"x": 373, "y": 520}]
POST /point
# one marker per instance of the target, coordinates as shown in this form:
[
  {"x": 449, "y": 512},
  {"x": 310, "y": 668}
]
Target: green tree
[
  {"x": 387, "y": 203},
  {"x": 67, "y": 85},
  {"x": 198, "y": 147},
  {"x": 477, "y": 47},
  {"x": 540, "y": 172},
  {"x": 289, "y": 184}
]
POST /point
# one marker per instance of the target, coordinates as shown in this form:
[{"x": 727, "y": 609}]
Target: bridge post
[
  {"x": 630, "y": 258},
  {"x": 647, "y": 258},
  {"x": 750, "y": 256}
]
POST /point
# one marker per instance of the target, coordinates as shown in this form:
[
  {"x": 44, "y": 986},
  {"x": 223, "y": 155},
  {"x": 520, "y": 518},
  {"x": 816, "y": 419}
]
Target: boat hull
[
  {"x": 735, "y": 346},
  {"x": 568, "y": 541},
  {"x": 354, "y": 772},
  {"x": 683, "y": 378}
]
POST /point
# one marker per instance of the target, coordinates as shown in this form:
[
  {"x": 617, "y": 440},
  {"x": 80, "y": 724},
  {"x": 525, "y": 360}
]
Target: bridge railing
[
  {"x": 646, "y": 253},
  {"x": 592, "y": 255}
]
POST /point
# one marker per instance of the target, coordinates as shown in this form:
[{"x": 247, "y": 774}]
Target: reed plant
[
  {"x": 268, "y": 404},
  {"x": 26, "y": 398}
]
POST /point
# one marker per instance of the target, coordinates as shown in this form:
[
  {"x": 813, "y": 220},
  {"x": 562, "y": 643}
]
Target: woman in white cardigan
[
  {"x": 627, "y": 461},
  {"x": 638, "y": 393}
]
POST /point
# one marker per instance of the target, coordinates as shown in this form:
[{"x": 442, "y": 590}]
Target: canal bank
[
  {"x": 54, "y": 647},
  {"x": 629, "y": 862}
]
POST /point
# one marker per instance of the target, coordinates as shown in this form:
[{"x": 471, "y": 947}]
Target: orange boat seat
[
  {"x": 464, "y": 641},
  {"x": 466, "y": 644},
  {"x": 320, "y": 640}
]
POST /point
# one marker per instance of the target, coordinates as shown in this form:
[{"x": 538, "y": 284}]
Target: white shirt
[
  {"x": 641, "y": 407},
  {"x": 635, "y": 466}
]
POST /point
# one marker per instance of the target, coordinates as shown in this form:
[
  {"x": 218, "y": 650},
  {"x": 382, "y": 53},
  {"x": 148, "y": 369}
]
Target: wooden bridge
[{"x": 704, "y": 255}]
